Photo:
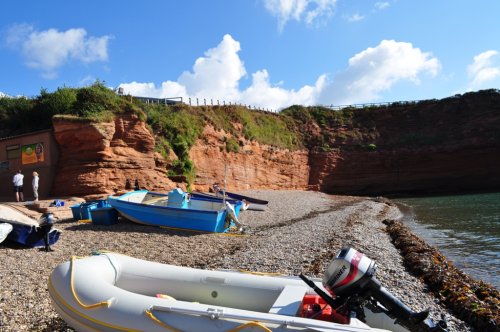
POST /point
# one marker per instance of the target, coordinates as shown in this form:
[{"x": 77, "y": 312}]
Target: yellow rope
[
  {"x": 261, "y": 273},
  {"x": 85, "y": 306},
  {"x": 69, "y": 310},
  {"x": 253, "y": 324},
  {"x": 159, "y": 322}
]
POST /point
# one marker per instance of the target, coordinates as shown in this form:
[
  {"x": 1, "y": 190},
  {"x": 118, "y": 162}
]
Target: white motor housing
[{"x": 348, "y": 272}]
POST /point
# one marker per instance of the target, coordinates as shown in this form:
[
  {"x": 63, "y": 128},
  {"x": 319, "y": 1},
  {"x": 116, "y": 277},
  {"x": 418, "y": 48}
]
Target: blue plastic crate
[
  {"x": 82, "y": 211},
  {"x": 104, "y": 216},
  {"x": 101, "y": 203}
]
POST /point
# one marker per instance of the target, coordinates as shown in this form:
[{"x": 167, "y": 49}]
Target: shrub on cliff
[
  {"x": 181, "y": 125},
  {"x": 15, "y": 116},
  {"x": 99, "y": 103}
]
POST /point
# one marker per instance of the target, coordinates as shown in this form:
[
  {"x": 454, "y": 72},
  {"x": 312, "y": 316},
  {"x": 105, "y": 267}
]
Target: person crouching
[{"x": 46, "y": 223}]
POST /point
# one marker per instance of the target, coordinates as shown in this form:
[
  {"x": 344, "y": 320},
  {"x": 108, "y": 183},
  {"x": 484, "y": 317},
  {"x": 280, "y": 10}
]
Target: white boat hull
[
  {"x": 5, "y": 229},
  {"x": 112, "y": 292}
]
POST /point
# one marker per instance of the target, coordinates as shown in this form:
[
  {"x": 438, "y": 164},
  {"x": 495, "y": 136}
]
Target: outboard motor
[
  {"x": 350, "y": 280},
  {"x": 351, "y": 272}
]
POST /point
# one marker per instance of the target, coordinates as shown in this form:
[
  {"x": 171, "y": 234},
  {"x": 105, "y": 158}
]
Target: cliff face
[
  {"x": 451, "y": 145},
  {"x": 406, "y": 171},
  {"x": 253, "y": 166},
  {"x": 446, "y": 146},
  {"x": 98, "y": 158}
]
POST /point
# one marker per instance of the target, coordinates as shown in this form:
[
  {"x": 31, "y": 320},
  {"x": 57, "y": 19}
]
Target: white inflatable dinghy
[{"x": 113, "y": 292}]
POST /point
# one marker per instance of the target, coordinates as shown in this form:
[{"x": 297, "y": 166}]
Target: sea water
[{"x": 464, "y": 228}]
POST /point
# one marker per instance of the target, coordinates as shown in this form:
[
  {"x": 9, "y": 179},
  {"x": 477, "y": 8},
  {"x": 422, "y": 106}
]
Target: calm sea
[{"x": 465, "y": 228}]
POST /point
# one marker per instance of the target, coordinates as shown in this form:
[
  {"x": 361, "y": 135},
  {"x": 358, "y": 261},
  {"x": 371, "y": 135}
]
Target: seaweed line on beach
[
  {"x": 476, "y": 302},
  {"x": 310, "y": 215}
]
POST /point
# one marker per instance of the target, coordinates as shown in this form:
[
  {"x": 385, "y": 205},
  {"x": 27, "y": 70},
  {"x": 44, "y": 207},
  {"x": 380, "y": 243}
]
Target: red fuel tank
[{"x": 313, "y": 306}]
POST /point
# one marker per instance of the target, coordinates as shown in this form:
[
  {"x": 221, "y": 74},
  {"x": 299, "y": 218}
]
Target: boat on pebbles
[
  {"x": 113, "y": 292},
  {"x": 177, "y": 209},
  {"x": 24, "y": 230}
]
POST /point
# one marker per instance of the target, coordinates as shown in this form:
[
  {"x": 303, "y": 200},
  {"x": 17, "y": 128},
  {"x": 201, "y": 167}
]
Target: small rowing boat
[
  {"x": 177, "y": 209},
  {"x": 250, "y": 203}
]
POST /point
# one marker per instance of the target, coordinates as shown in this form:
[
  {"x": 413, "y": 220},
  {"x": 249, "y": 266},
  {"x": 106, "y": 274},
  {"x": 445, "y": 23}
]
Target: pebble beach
[{"x": 298, "y": 233}]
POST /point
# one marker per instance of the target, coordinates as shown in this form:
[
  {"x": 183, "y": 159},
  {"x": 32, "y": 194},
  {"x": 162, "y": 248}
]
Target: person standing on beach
[
  {"x": 18, "y": 185},
  {"x": 34, "y": 183}
]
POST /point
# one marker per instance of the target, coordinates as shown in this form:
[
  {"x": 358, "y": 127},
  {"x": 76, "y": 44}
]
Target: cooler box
[
  {"x": 82, "y": 211},
  {"x": 104, "y": 216},
  {"x": 101, "y": 203}
]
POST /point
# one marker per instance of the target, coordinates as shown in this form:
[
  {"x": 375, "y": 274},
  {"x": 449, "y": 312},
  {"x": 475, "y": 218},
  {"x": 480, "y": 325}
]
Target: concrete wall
[{"x": 20, "y": 153}]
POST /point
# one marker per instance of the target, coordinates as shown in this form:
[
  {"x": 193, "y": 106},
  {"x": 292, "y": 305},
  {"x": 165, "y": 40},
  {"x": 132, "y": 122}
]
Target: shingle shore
[{"x": 298, "y": 233}]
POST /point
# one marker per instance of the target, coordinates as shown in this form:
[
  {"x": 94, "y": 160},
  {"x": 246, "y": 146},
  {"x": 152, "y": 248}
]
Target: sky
[{"x": 269, "y": 54}]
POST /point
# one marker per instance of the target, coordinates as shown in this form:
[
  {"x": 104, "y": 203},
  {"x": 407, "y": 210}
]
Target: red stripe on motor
[{"x": 353, "y": 269}]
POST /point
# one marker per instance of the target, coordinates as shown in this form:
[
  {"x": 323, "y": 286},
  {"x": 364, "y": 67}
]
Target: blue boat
[
  {"x": 31, "y": 236},
  {"x": 177, "y": 209},
  {"x": 249, "y": 203}
]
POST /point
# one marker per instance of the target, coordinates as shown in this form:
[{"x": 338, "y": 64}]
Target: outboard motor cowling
[
  {"x": 348, "y": 273},
  {"x": 351, "y": 273}
]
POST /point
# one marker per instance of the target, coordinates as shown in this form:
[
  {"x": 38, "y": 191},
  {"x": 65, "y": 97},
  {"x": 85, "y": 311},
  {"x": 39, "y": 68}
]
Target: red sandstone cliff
[
  {"x": 446, "y": 146},
  {"x": 254, "y": 166},
  {"x": 451, "y": 145},
  {"x": 98, "y": 158}
]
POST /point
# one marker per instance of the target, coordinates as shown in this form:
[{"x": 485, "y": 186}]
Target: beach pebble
[{"x": 299, "y": 232}]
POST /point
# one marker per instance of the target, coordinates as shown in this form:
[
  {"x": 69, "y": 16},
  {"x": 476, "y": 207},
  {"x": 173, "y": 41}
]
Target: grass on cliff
[
  {"x": 95, "y": 103},
  {"x": 179, "y": 126},
  {"x": 176, "y": 127}
]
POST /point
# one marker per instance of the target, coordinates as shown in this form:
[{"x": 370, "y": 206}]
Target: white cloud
[
  {"x": 309, "y": 11},
  {"x": 167, "y": 89},
  {"x": 355, "y": 18},
  {"x": 483, "y": 70},
  {"x": 377, "y": 69},
  {"x": 262, "y": 93},
  {"x": 381, "y": 5},
  {"x": 51, "y": 49},
  {"x": 217, "y": 75}
]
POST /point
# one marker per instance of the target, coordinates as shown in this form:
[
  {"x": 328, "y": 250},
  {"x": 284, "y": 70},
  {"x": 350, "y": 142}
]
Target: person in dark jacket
[{"x": 46, "y": 223}]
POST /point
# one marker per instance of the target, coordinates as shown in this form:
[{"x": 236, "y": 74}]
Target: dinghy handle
[
  {"x": 75, "y": 296},
  {"x": 212, "y": 313},
  {"x": 269, "y": 318},
  {"x": 151, "y": 316}
]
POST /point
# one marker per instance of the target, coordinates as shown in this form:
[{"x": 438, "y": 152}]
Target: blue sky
[{"x": 265, "y": 53}]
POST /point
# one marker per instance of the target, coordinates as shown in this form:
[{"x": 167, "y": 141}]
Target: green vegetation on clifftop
[
  {"x": 451, "y": 121},
  {"x": 175, "y": 127}
]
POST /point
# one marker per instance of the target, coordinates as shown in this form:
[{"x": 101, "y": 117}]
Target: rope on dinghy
[{"x": 75, "y": 296}]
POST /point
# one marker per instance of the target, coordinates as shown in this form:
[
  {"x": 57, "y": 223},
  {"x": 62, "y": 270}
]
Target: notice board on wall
[{"x": 32, "y": 153}]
